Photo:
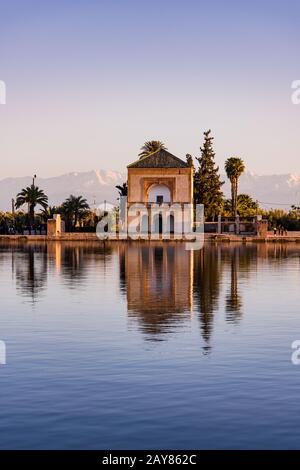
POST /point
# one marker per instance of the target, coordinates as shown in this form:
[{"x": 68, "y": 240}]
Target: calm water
[{"x": 149, "y": 346}]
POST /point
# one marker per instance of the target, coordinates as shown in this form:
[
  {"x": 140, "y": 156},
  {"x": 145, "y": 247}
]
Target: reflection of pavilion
[{"x": 158, "y": 280}]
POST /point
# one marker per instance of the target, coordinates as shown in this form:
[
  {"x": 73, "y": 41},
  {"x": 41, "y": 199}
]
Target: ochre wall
[{"x": 179, "y": 180}]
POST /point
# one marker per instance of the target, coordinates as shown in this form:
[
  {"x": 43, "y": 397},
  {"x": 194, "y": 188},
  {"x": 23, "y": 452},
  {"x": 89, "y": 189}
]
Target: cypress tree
[{"x": 207, "y": 183}]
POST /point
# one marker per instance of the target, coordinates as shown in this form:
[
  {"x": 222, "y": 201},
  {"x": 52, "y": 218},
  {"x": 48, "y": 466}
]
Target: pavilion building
[{"x": 163, "y": 185}]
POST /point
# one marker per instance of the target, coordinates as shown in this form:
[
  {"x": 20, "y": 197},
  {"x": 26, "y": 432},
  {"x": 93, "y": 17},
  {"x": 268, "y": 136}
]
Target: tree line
[
  {"x": 208, "y": 187},
  {"x": 207, "y": 181},
  {"x": 75, "y": 211},
  {"x": 77, "y": 214}
]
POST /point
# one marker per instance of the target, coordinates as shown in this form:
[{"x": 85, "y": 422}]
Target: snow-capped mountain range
[
  {"x": 272, "y": 191},
  {"x": 99, "y": 185},
  {"x": 96, "y": 186}
]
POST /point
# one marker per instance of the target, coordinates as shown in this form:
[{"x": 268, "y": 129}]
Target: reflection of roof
[{"x": 159, "y": 159}]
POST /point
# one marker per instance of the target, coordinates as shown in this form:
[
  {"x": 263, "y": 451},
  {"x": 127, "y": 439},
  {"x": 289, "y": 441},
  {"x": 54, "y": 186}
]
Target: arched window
[{"x": 159, "y": 193}]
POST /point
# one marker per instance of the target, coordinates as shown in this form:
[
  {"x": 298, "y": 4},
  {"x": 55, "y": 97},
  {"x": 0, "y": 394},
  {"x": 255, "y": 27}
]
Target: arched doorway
[
  {"x": 170, "y": 223},
  {"x": 144, "y": 225},
  {"x": 158, "y": 223}
]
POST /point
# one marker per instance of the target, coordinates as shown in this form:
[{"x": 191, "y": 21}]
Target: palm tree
[
  {"x": 234, "y": 167},
  {"x": 123, "y": 189},
  {"x": 33, "y": 196},
  {"x": 49, "y": 212},
  {"x": 246, "y": 206},
  {"x": 151, "y": 146},
  {"x": 74, "y": 208}
]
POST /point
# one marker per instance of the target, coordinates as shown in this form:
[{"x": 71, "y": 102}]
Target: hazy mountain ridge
[
  {"x": 99, "y": 185},
  {"x": 269, "y": 190},
  {"x": 94, "y": 185}
]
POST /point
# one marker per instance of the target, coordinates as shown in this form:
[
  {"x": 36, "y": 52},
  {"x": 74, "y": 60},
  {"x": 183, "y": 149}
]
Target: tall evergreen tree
[{"x": 207, "y": 183}]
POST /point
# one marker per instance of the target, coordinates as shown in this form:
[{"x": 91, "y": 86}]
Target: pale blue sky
[{"x": 88, "y": 81}]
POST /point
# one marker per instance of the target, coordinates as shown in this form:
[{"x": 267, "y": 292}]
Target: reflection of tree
[
  {"x": 241, "y": 259},
  {"x": 211, "y": 264},
  {"x": 158, "y": 287},
  {"x": 207, "y": 279},
  {"x": 71, "y": 260},
  {"x": 73, "y": 265},
  {"x": 30, "y": 267},
  {"x": 77, "y": 257},
  {"x": 233, "y": 298}
]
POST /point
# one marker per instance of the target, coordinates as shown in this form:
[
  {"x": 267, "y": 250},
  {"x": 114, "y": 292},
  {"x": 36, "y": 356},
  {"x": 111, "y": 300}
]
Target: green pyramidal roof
[{"x": 159, "y": 159}]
